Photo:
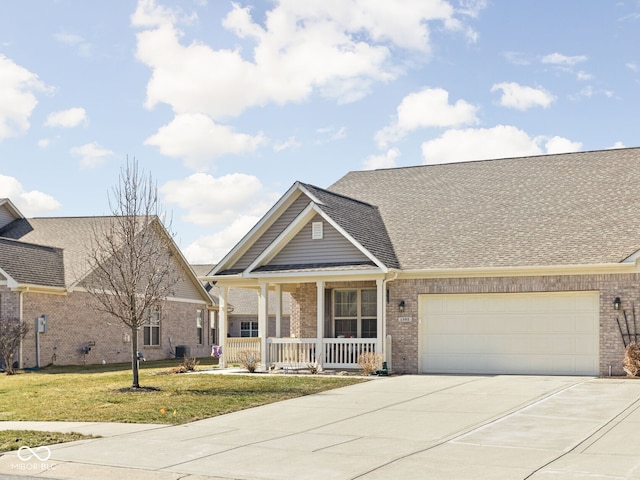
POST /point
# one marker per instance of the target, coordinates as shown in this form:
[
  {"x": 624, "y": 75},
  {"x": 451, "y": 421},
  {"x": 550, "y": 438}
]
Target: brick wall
[
  {"x": 304, "y": 308},
  {"x": 73, "y": 324},
  {"x": 405, "y": 336},
  {"x": 9, "y": 303}
]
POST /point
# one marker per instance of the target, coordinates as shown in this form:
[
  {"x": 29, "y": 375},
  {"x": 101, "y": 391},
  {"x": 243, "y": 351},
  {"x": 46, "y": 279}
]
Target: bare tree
[
  {"x": 131, "y": 257},
  {"x": 12, "y": 332}
]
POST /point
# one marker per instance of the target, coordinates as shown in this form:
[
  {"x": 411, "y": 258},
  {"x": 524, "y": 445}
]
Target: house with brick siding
[
  {"x": 43, "y": 262},
  {"x": 509, "y": 266}
]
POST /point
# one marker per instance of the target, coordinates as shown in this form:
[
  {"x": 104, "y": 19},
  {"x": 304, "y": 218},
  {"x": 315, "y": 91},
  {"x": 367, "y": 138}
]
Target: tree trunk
[{"x": 134, "y": 357}]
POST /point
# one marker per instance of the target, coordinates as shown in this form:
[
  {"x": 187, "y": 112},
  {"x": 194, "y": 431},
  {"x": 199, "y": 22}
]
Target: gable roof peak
[{"x": 324, "y": 191}]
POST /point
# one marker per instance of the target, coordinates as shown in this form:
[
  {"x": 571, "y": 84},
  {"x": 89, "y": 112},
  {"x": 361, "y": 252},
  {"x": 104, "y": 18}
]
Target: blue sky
[{"x": 227, "y": 104}]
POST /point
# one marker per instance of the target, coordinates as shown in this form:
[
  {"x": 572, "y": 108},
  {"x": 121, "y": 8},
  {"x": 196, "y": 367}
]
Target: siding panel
[
  {"x": 332, "y": 248},
  {"x": 272, "y": 232}
]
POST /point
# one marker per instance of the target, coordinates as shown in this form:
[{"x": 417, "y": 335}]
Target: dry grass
[
  {"x": 100, "y": 393},
  {"x": 11, "y": 440}
]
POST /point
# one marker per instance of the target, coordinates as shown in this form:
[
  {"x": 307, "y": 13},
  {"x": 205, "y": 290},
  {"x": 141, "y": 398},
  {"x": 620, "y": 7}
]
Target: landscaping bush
[
  {"x": 631, "y": 363},
  {"x": 370, "y": 362},
  {"x": 249, "y": 359}
]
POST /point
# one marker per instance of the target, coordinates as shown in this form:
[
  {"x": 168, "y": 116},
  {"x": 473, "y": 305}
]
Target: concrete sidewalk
[{"x": 436, "y": 427}]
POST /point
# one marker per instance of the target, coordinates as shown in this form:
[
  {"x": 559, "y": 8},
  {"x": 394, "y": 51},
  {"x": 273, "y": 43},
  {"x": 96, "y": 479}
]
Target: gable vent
[{"x": 316, "y": 230}]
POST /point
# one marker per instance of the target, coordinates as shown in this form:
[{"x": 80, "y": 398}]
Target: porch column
[
  {"x": 263, "y": 322},
  {"x": 380, "y": 303},
  {"x": 278, "y": 310},
  {"x": 319, "y": 321},
  {"x": 222, "y": 324}
]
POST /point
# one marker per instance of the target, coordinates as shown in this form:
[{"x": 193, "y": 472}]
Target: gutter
[{"x": 524, "y": 271}]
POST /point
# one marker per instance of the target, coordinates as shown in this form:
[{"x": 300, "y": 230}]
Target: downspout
[
  {"x": 384, "y": 315},
  {"x": 20, "y": 313}
]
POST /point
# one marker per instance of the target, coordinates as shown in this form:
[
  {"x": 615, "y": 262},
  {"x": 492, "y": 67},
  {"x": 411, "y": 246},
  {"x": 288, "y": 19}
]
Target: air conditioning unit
[{"x": 182, "y": 351}]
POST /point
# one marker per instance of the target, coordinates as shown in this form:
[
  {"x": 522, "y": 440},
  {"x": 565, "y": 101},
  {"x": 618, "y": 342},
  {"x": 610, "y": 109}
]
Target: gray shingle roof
[
  {"x": 32, "y": 264},
  {"x": 72, "y": 234},
  {"x": 359, "y": 219},
  {"x": 576, "y": 208}
]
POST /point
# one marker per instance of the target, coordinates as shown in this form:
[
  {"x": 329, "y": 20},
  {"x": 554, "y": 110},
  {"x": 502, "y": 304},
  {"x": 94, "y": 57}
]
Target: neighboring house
[
  {"x": 42, "y": 264},
  {"x": 243, "y": 309},
  {"x": 496, "y": 266}
]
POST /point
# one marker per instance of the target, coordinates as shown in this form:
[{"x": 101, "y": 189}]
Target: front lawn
[{"x": 94, "y": 393}]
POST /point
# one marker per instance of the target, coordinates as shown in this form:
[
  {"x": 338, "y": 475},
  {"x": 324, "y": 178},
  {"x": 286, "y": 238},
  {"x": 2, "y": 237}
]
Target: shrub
[
  {"x": 631, "y": 363},
  {"x": 188, "y": 365},
  {"x": 370, "y": 362},
  {"x": 249, "y": 359}
]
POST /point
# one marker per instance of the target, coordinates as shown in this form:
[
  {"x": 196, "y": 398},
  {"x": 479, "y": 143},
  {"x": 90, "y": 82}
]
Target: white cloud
[
  {"x": 233, "y": 202},
  {"x": 486, "y": 143},
  {"x": 83, "y": 48},
  {"x": 331, "y": 134},
  {"x": 91, "y": 154},
  {"x": 429, "y": 107},
  {"x": 218, "y": 201},
  {"x": 634, "y": 67},
  {"x": 385, "y": 160},
  {"x": 522, "y": 97},
  {"x": 71, "y": 117},
  {"x": 199, "y": 140},
  {"x": 31, "y": 203},
  {"x": 212, "y": 248},
  {"x": 334, "y": 48},
  {"x": 618, "y": 144},
  {"x": 563, "y": 60},
  {"x": 17, "y": 97},
  {"x": 584, "y": 76},
  {"x": 290, "y": 143},
  {"x": 561, "y": 145},
  {"x": 517, "y": 58}
]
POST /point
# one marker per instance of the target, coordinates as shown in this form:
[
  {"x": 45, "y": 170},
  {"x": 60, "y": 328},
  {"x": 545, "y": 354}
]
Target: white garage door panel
[{"x": 540, "y": 333}]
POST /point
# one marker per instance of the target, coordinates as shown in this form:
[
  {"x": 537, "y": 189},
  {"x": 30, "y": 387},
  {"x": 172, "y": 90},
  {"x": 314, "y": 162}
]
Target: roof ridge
[
  {"x": 324, "y": 190},
  {"x": 22, "y": 242},
  {"x": 485, "y": 160}
]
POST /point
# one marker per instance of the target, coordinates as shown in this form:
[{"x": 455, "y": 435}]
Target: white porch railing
[
  {"x": 344, "y": 352},
  {"x": 335, "y": 352},
  {"x": 300, "y": 352},
  {"x": 292, "y": 352},
  {"x": 234, "y": 345}
]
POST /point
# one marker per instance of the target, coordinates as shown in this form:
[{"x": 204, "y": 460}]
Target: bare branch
[{"x": 132, "y": 269}]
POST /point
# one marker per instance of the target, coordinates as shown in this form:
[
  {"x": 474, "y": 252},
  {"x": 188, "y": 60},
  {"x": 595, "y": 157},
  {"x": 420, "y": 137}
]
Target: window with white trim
[
  {"x": 199, "y": 327},
  {"x": 151, "y": 328},
  {"x": 355, "y": 313},
  {"x": 248, "y": 329}
]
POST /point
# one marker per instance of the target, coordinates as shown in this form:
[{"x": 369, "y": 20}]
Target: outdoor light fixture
[
  {"x": 401, "y": 306},
  {"x": 616, "y": 303}
]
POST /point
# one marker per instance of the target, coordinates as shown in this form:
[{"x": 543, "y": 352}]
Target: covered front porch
[{"x": 333, "y": 322}]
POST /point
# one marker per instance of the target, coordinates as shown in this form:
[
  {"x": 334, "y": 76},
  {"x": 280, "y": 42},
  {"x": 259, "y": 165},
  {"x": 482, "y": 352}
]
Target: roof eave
[{"x": 521, "y": 271}]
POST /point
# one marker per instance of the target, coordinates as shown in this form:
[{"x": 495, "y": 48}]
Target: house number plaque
[{"x": 405, "y": 319}]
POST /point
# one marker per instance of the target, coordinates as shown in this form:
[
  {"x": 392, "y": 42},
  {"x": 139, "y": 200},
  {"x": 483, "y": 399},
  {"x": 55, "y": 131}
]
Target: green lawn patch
[
  {"x": 11, "y": 440},
  {"x": 100, "y": 393}
]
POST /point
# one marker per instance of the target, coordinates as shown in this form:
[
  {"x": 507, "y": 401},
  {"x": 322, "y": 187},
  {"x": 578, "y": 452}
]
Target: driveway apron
[{"x": 449, "y": 427}]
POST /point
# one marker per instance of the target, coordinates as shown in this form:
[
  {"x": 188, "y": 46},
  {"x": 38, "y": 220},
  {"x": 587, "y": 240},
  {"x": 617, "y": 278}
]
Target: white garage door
[{"x": 538, "y": 333}]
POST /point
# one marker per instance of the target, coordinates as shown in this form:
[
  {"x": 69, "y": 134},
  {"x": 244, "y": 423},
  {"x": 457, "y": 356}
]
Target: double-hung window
[
  {"x": 355, "y": 313},
  {"x": 151, "y": 328},
  {"x": 199, "y": 327},
  {"x": 248, "y": 329}
]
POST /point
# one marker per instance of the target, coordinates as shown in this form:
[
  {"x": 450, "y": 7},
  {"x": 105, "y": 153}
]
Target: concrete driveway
[{"x": 436, "y": 427}]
